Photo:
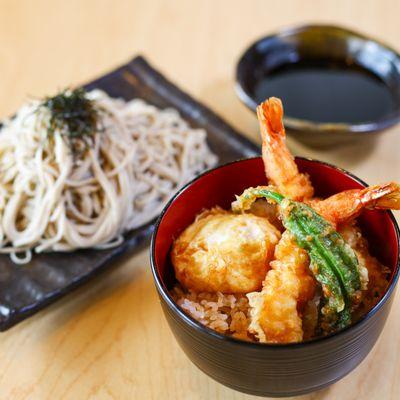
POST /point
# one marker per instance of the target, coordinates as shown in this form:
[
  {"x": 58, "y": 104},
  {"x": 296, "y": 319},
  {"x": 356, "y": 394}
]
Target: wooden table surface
[{"x": 109, "y": 340}]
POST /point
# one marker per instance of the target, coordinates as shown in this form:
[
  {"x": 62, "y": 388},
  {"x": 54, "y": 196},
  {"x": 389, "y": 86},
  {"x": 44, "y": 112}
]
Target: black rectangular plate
[{"x": 24, "y": 290}]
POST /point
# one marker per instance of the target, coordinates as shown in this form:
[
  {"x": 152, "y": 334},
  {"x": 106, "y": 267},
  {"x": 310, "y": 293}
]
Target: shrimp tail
[
  {"x": 346, "y": 206},
  {"x": 279, "y": 164},
  {"x": 270, "y": 114},
  {"x": 382, "y": 197}
]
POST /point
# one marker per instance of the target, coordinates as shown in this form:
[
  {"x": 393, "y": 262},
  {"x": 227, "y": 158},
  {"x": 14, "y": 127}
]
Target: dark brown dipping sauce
[{"x": 324, "y": 93}]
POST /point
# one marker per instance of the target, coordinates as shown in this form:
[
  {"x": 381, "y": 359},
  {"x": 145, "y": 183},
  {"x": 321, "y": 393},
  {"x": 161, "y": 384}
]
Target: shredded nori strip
[{"x": 75, "y": 116}]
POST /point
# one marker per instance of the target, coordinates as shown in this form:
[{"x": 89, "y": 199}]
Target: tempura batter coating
[
  {"x": 345, "y": 206},
  {"x": 224, "y": 252},
  {"x": 374, "y": 276},
  {"x": 288, "y": 286},
  {"x": 280, "y": 167}
]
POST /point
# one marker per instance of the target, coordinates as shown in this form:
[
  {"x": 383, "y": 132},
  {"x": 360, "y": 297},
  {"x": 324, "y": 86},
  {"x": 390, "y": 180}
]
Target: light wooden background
[{"x": 109, "y": 339}]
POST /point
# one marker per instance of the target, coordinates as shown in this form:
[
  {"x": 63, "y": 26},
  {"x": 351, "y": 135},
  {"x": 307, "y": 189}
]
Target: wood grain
[{"x": 109, "y": 339}]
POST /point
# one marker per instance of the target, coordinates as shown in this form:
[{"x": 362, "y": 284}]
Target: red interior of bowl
[{"x": 219, "y": 186}]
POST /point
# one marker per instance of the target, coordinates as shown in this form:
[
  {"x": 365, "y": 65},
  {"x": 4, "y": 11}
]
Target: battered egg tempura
[{"x": 224, "y": 252}]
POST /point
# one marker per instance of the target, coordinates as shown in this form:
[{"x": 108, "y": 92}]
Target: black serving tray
[{"x": 24, "y": 290}]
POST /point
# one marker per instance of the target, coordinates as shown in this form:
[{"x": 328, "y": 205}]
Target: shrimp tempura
[
  {"x": 288, "y": 286},
  {"x": 346, "y": 206},
  {"x": 279, "y": 164}
]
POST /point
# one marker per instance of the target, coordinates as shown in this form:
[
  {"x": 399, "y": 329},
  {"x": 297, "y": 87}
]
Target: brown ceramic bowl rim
[
  {"x": 309, "y": 126},
  {"x": 204, "y": 329}
]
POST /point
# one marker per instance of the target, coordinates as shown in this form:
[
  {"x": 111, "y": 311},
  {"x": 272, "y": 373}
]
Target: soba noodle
[{"x": 51, "y": 201}]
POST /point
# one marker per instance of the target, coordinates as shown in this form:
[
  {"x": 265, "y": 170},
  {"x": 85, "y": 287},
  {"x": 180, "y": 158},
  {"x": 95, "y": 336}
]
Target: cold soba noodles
[{"x": 79, "y": 169}]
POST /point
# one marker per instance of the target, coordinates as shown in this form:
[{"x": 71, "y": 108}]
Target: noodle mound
[{"x": 51, "y": 200}]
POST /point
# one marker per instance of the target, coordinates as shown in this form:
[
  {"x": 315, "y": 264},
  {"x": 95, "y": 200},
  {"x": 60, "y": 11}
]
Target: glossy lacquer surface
[
  {"x": 24, "y": 290},
  {"x": 337, "y": 85},
  {"x": 270, "y": 370}
]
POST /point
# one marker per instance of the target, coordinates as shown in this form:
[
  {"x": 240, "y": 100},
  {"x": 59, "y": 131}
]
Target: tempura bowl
[{"x": 270, "y": 369}]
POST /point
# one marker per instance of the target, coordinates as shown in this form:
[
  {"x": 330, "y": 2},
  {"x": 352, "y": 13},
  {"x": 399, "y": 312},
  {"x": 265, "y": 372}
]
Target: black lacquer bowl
[
  {"x": 324, "y": 58},
  {"x": 268, "y": 369}
]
